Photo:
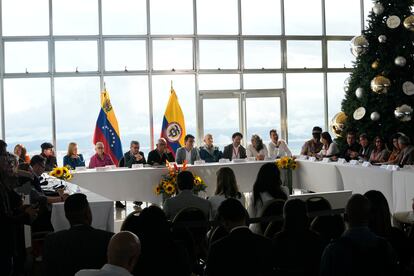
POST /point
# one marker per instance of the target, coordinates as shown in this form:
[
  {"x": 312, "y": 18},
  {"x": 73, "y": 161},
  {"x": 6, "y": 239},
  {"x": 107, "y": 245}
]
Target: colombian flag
[
  {"x": 106, "y": 130},
  {"x": 173, "y": 126}
]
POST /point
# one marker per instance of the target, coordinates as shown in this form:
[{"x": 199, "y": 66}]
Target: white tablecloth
[
  {"x": 101, "y": 207},
  {"x": 403, "y": 189}
]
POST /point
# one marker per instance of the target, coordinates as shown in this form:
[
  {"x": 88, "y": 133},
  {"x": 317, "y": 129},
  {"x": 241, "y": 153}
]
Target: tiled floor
[{"x": 121, "y": 214}]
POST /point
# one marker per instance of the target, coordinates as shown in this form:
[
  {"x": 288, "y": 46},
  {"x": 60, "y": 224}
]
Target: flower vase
[{"x": 287, "y": 181}]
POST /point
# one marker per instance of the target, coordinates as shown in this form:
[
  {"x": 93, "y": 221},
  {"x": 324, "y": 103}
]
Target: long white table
[{"x": 403, "y": 190}]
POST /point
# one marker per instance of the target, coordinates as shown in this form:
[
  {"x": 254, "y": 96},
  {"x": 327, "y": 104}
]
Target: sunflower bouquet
[
  {"x": 286, "y": 162},
  {"x": 61, "y": 173}
]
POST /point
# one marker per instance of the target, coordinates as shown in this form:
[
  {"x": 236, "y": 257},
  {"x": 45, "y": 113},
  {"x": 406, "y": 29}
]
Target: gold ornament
[
  {"x": 337, "y": 123},
  {"x": 375, "y": 64},
  {"x": 380, "y": 84},
  {"x": 409, "y": 23}
]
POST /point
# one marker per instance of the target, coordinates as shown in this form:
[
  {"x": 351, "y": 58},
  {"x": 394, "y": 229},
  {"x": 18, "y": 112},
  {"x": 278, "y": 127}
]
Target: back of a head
[
  {"x": 268, "y": 180},
  {"x": 316, "y": 204},
  {"x": 357, "y": 210},
  {"x": 124, "y": 249},
  {"x": 153, "y": 223},
  {"x": 295, "y": 215},
  {"x": 3, "y": 147},
  {"x": 37, "y": 159},
  {"x": 77, "y": 209},
  {"x": 226, "y": 183},
  {"x": 232, "y": 211},
  {"x": 380, "y": 217},
  {"x": 185, "y": 180}
]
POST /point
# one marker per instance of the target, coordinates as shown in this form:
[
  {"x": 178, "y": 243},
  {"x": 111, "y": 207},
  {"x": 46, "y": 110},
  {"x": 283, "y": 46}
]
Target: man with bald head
[
  {"x": 209, "y": 152},
  {"x": 123, "y": 253},
  {"x": 160, "y": 155}
]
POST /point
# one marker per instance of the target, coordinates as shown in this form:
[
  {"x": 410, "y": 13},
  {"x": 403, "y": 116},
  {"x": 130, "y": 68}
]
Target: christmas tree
[{"x": 379, "y": 96}]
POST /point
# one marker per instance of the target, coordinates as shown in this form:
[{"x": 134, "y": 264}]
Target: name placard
[
  {"x": 354, "y": 162},
  {"x": 341, "y": 161},
  {"x": 80, "y": 169},
  {"x": 224, "y": 160},
  {"x": 326, "y": 160},
  {"x": 384, "y": 167},
  {"x": 136, "y": 166},
  {"x": 366, "y": 164},
  {"x": 312, "y": 159},
  {"x": 302, "y": 157},
  {"x": 199, "y": 162}
]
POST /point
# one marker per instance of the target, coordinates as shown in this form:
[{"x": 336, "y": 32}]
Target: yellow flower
[
  {"x": 58, "y": 172},
  {"x": 283, "y": 162},
  {"x": 157, "y": 190},
  {"x": 170, "y": 189},
  {"x": 294, "y": 166},
  {"x": 52, "y": 173},
  {"x": 69, "y": 176}
]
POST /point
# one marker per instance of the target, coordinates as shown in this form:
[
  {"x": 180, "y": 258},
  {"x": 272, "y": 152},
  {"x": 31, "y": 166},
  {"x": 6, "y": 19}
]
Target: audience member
[
  {"x": 80, "y": 247},
  {"x": 160, "y": 155},
  {"x": 226, "y": 188},
  {"x": 351, "y": 149},
  {"x": 366, "y": 148},
  {"x": 209, "y": 152},
  {"x": 235, "y": 150},
  {"x": 329, "y": 148},
  {"x": 296, "y": 242},
  {"x": 133, "y": 156},
  {"x": 314, "y": 145},
  {"x": 124, "y": 250},
  {"x": 241, "y": 252},
  {"x": 100, "y": 159},
  {"x": 21, "y": 153},
  {"x": 257, "y": 149},
  {"x": 72, "y": 158},
  {"x": 359, "y": 251},
  {"x": 185, "y": 197},
  {"x": 277, "y": 147},
  {"x": 379, "y": 153},
  {"x": 395, "y": 148},
  {"x": 406, "y": 156},
  {"x": 188, "y": 153},
  {"x": 49, "y": 155},
  {"x": 267, "y": 187}
]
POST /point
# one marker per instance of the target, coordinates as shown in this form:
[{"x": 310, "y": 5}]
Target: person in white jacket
[{"x": 277, "y": 147}]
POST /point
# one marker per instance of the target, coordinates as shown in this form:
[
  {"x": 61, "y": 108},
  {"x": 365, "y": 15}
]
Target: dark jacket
[
  {"x": 50, "y": 162},
  {"x": 155, "y": 157},
  {"x": 129, "y": 160},
  {"x": 345, "y": 153},
  {"x": 240, "y": 253},
  {"x": 228, "y": 152},
  {"x": 80, "y": 247},
  {"x": 208, "y": 157},
  {"x": 365, "y": 153}
]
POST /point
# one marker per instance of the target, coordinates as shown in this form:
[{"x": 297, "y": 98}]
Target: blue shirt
[
  {"x": 213, "y": 155},
  {"x": 74, "y": 162}
]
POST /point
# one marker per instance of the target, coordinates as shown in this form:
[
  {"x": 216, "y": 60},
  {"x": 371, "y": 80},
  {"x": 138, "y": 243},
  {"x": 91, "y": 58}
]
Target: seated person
[
  {"x": 379, "y": 153},
  {"x": 21, "y": 153},
  {"x": 257, "y": 149},
  {"x": 81, "y": 246},
  {"x": 185, "y": 197},
  {"x": 351, "y": 149},
  {"x": 235, "y": 150},
  {"x": 277, "y": 147},
  {"x": 314, "y": 145},
  {"x": 160, "y": 155},
  {"x": 72, "y": 159},
  {"x": 395, "y": 149},
  {"x": 133, "y": 156},
  {"x": 241, "y": 252},
  {"x": 209, "y": 152},
  {"x": 49, "y": 155},
  {"x": 406, "y": 156},
  {"x": 330, "y": 148},
  {"x": 188, "y": 152},
  {"x": 100, "y": 159},
  {"x": 366, "y": 148}
]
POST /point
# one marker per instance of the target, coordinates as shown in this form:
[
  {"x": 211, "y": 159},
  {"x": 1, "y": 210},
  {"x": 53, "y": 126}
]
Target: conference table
[{"x": 139, "y": 183}]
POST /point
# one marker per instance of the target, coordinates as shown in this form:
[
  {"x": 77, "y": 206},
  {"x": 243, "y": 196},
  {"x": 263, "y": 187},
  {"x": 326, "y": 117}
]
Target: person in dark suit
[
  {"x": 351, "y": 149},
  {"x": 160, "y": 156},
  {"x": 68, "y": 251},
  {"x": 49, "y": 155},
  {"x": 235, "y": 150},
  {"x": 366, "y": 147},
  {"x": 187, "y": 153},
  {"x": 133, "y": 156},
  {"x": 406, "y": 156},
  {"x": 241, "y": 252}
]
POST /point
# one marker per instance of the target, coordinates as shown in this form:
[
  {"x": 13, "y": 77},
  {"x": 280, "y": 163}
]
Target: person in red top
[{"x": 100, "y": 159}]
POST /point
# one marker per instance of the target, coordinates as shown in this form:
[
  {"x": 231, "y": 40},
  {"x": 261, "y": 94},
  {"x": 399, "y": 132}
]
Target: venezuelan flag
[
  {"x": 173, "y": 125},
  {"x": 107, "y": 130}
]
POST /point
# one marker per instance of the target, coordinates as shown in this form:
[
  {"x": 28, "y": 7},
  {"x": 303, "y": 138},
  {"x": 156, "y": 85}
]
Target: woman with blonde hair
[
  {"x": 21, "y": 153},
  {"x": 72, "y": 159}
]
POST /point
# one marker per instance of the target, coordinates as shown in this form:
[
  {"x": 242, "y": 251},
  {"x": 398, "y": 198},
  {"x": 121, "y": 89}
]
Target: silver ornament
[
  {"x": 375, "y": 116},
  {"x": 359, "y": 92},
  {"x": 382, "y": 38},
  {"x": 403, "y": 113},
  {"x": 359, "y": 113},
  {"x": 400, "y": 61},
  {"x": 346, "y": 84},
  {"x": 359, "y": 45},
  {"x": 393, "y": 22},
  {"x": 408, "y": 88},
  {"x": 378, "y": 8}
]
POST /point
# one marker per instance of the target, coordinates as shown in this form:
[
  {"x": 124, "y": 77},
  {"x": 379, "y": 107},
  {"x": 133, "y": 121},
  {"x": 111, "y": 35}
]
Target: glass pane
[
  {"x": 304, "y": 54},
  {"x": 335, "y": 92},
  {"x": 339, "y": 54},
  {"x": 261, "y": 17},
  {"x": 184, "y": 86},
  {"x": 78, "y": 125},
  {"x": 216, "y": 54},
  {"x": 132, "y": 115},
  {"x": 218, "y": 123},
  {"x": 78, "y": 17},
  {"x": 259, "y": 124},
  {"x": 126, "y": 17},
  {"x": 261, "y": 54},
  {"x": 33, "y": 19},
  {"x": 127, "y": 54},
  {"x": 262, "y": 81},
  {"x": 217, "y": 17},
  {"x": 303, "y": 17},
  {"x": 21, "y": 57},
  {"x": 178, "y": 14},
  {"x": 28, "y": 113},
  {"x": 341, "y": 18},
  {"x": 218, "y": 81},
  {"x": 368, "y": 4},
  {"x": 305, "y": 102},
  {"x": 76, "y": 55},
  {"x": 172, "y": 54}
]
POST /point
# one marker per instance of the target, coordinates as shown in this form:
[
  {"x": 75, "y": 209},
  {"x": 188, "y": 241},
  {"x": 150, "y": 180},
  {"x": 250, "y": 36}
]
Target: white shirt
[
  {"x": 235, "y": 154},
  {"x": 106, "y": 270},
  {"x": 332, "y": 150},
  {"x": 252, "y": 152},
  {"x": 188, "y": 156},
  {"x": 282, "y": 150},
  {"x": 216, "y": 200}
]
